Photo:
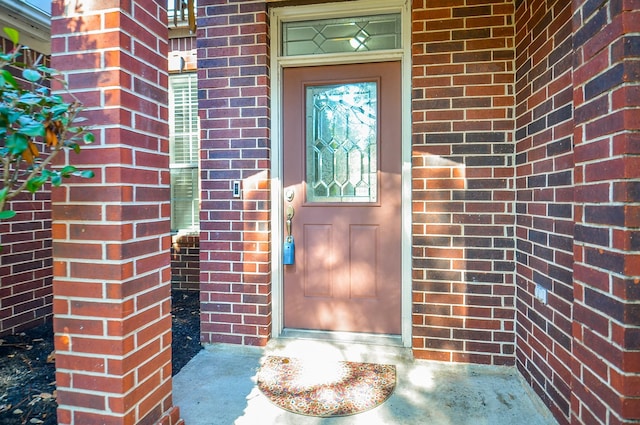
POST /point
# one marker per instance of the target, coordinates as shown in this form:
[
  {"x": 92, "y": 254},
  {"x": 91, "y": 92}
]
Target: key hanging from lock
[{"x": 289, "y": 249}]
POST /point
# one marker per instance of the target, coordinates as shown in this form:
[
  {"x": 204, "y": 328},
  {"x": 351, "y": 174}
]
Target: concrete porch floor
[{"x": 218, "y": 387}]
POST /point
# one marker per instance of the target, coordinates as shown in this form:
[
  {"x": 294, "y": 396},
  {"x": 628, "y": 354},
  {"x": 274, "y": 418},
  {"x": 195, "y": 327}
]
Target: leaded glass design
[
  {"x": 342, "y": 150},
  {"x": 343, "y": 35}
]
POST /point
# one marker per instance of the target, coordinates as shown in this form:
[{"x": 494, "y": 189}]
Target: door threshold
[
  {"x": 346, "y": 337},
  {"x": 340, "y": 346}
]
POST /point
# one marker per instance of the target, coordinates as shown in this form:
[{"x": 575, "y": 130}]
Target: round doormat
[{"x": 325, "y": 389}]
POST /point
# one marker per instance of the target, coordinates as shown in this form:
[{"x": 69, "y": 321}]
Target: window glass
[
  {"x": 344, "y": 35},
  {"x": 342, "y": 147},
  {"x": 183, "y": 150}
]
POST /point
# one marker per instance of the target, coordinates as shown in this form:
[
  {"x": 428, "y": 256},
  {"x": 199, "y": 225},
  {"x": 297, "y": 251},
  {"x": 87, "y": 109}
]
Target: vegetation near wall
[{"x": 35, "y": 125}]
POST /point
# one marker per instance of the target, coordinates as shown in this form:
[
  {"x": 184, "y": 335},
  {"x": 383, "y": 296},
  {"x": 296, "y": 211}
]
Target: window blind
[{"x": 183, "y": 150}]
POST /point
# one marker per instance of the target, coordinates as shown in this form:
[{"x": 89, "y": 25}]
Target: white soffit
[{"x": 31, "y": 21}]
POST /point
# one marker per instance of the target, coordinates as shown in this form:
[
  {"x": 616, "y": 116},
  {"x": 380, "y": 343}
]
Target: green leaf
[
  {"x": 30, "y": 127},
  {"x": 14, "y": 116},
  {"x": 31, "y": 75},
  {"x": 60, "y": 109},
  {"x": 48, "y": 70},
  {"x": 68, "y": 170},
  {"x": 8, "y": 78},
  {"x": 17, "y": 143},
  {"x": 33, "y": 186},
  {"x": 30, "y": 99},
  {"x": 88, "y": 138},
  {"x": 13, "y": 34},
  {"x": 56, "y": 98},
  {"x": 87, "y": 174},
  {"x": 3, "y": 192},
  {"x": 56, "y": 180},
  {"x": 36, "y": 183},
  {"x": 5, "y": 215}
]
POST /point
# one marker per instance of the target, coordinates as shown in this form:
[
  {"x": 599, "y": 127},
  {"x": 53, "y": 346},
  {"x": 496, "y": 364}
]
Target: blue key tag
[{"x": 289, "y": 251}]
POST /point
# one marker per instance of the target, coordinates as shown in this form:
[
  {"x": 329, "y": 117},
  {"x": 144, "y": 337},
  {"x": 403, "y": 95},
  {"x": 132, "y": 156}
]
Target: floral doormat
[{"x": 325, "y": 389}]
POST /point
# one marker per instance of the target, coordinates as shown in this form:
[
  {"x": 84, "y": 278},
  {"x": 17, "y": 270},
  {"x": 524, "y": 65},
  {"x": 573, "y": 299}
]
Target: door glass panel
[
  {"x": 341, "y": 142},
  {"x": 343, "y": 35}
]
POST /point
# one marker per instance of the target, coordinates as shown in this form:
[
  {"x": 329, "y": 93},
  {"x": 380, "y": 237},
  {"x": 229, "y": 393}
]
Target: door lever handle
[{"x": 290, "y": 213}]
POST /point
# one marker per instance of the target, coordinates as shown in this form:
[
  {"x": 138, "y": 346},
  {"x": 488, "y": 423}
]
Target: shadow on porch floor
[{"x": 217, "y": 387}]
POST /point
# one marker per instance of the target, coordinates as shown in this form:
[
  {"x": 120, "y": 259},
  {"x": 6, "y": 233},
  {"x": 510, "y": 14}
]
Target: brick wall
[
  {"x": 25, "y": 257},
  {"x": 185, "y": 262},
  {"x": 235, "y": 278},
  {"x": 544, "y": 169},
  {"x": 525, "y": 170},
  {"x": 463, "y": 291},
  {"x": 606, "y": 328},
  {"x": 112, "y": 305}
]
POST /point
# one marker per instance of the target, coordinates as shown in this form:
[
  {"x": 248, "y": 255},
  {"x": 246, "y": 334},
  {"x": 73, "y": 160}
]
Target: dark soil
[{"x": 27, "y": 370}]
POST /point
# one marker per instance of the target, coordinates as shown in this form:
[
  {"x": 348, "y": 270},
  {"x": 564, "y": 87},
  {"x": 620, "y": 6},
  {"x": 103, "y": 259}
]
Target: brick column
[
  {"x": 233, "y": 84},
  {"x": 111, "y": 234},
  {"x": 606, "y": 319}
]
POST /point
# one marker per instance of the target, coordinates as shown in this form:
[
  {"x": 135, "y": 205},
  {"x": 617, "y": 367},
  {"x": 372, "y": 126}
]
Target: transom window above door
[{"x": 342, "y": 35}]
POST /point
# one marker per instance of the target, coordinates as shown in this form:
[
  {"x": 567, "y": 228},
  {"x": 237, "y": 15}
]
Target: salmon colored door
[{"x": 342, "y": 178}]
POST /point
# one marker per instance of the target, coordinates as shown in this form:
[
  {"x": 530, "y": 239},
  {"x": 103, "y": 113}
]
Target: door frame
[{"x": 278, "y": 15}]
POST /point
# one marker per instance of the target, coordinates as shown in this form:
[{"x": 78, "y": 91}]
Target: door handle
[
  {"x": 289, "y": 246},
  {"x": 290, "y": 213}
]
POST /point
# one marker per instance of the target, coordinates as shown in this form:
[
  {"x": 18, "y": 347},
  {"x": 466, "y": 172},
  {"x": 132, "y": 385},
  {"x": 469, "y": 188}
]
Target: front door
[{"x": 342, "y": 179}]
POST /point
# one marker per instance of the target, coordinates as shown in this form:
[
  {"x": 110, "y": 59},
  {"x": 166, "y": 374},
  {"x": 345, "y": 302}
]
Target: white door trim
[{"x": 322, "y": 11}]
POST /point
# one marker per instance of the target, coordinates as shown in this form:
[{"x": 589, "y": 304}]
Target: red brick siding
[
  {"x": 235, "y": 278},
  {"x": 111, "y": 236},
  {"x": 185, "y": 262},
  {"x": 544, "y": 169},
  {"x": 26, "y": 264},
  {"x": 462, "y": 107},
  {"x": 606, "y": 327}
]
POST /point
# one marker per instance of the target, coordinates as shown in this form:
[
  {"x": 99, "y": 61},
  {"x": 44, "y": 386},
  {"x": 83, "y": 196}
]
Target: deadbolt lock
[{"x": 289, "y": 195}]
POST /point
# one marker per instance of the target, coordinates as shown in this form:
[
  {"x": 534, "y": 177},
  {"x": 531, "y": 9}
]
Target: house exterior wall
[
  {"x": 544, "y": 205},
  {"x": 185, "y": 262},
  {"x": 605, "y": 369},
  {"x": 26, "y": 264},
  {"x": 523, "y": 127},
  {"x": 525, "y": 172},
  {"x": 235, "y": 260},
  {"x": 463, "y": 181}
]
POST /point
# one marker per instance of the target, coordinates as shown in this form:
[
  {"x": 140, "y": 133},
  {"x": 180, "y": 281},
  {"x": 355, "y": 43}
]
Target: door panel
[
  {"x": 342, "y": 160},
  {"x": 363, "y": 261},
  {"x": 317, "y": 273}
]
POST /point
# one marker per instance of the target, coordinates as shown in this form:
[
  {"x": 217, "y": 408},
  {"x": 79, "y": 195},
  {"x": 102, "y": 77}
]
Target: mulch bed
[{"x": 27, "y": 371}]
